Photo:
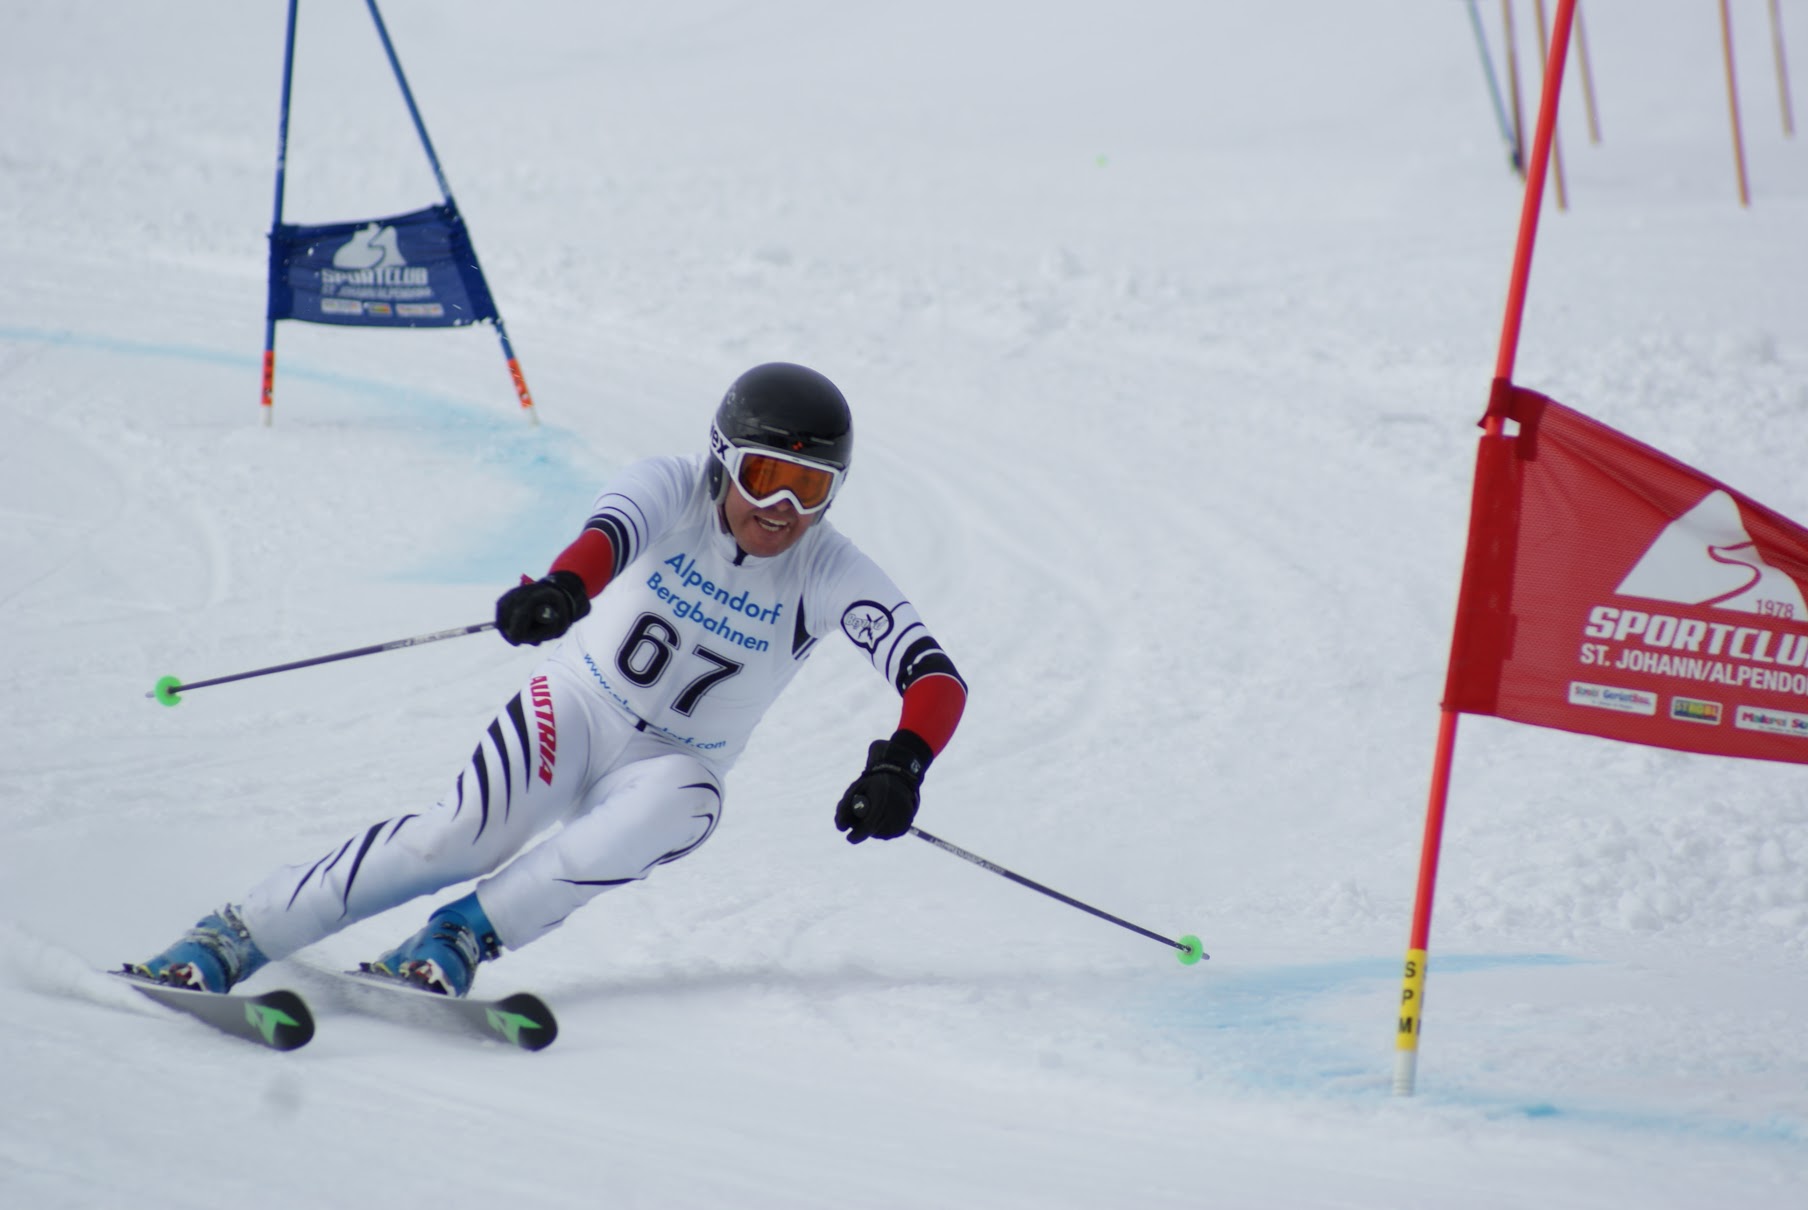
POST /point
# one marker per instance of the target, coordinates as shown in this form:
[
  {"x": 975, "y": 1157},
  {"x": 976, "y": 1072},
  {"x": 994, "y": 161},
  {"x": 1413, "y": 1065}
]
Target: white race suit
[{"x": 625, "y": 733}]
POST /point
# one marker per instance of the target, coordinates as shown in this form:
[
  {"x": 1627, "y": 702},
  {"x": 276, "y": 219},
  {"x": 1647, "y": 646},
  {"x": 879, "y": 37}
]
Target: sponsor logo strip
[
  {"x": 1610, "y": 697},
  {"x": 1694, "y": 710},
  {"x": 1771, "y": 722}
]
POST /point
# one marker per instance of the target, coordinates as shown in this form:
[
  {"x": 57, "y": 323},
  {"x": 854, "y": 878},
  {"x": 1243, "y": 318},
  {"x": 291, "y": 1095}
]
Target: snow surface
[{"x": 1167, "y": 325}]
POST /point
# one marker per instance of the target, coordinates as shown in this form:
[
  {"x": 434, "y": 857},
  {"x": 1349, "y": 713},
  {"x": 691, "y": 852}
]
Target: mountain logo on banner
[
  {"x": 1705, "y": 557},
  {"x": 370, "y": 247}
]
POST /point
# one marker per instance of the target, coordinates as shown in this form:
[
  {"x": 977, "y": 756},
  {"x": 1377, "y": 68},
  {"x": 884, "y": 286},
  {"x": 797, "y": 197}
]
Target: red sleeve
[
  {"x": 932, "y": 709},
  {"x": 592, "y": 557}
]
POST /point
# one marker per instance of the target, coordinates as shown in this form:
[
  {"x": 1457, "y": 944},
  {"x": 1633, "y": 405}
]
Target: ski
[
  {"x": 522, "y": 1019},
  {"x": 279, "y": 1020}
]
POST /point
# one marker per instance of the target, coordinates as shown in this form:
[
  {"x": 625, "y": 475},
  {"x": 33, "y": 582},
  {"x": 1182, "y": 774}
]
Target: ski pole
[
  {"x": 1190, "y": 947},
  {"x": 168, "y": 687}
]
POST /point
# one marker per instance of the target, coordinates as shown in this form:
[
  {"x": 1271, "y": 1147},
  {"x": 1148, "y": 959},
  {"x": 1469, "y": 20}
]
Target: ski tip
[
  {"x": 278, "y": 1020},
  {"x": 524, "y": 1020},
  {"x": 282, "y": 1017}
]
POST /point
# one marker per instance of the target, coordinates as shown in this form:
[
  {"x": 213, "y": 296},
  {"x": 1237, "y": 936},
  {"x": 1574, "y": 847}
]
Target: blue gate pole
[
  {"x": 1500, "y": 109},
  {"x": 282, "y": 161},
  {"x": 420, "y": 128}
]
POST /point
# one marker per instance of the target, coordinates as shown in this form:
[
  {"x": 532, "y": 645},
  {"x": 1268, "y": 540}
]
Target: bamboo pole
[
  {"x": 1776, "y": 46},
  {"x": 1732, "y": 101},
  {"x": 1588, "y": 76},
  {"x": 1544, "y": 66}
]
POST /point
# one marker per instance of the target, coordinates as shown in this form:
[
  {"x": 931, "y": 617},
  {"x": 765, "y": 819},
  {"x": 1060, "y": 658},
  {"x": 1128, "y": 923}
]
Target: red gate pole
[{"x": 1412, "y": 993}]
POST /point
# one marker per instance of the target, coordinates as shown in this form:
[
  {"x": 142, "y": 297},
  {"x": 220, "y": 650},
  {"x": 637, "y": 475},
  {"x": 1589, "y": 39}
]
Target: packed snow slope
[{"x": 1167, "y": 326}]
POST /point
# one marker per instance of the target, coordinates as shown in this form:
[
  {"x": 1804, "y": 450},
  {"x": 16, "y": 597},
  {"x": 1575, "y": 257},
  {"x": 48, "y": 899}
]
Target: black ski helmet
[{"x": 785, "y": 407}]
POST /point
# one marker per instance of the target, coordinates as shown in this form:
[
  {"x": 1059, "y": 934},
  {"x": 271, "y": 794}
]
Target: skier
[{"x": 695, "y": 592}]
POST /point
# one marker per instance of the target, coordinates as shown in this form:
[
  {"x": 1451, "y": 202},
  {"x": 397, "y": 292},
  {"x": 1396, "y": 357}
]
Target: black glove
[
  {"x": 882, "y": 801},
  {"x": 541, "y": 609}
]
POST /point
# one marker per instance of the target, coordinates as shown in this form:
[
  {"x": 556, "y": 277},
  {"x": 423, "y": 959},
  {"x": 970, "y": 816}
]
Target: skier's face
[{"x": 764, "y": 532}]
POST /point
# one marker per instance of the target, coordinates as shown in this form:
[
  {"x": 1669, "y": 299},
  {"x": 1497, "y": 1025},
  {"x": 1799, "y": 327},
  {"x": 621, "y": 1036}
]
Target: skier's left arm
[{"x": 883, "y": 800}]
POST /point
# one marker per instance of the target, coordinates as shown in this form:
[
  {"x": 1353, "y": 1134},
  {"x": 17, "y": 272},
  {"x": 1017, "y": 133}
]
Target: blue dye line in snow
[
  {"x": 127, "y": 348},
  {"x": 498, "y": 439},
  {"x": 1772, "y": 1130},
  {"x": 1258, "y": 1029}
]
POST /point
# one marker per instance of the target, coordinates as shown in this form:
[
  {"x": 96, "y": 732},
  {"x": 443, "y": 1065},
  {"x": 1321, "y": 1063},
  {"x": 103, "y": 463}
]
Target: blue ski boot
[
  {"x": 443, "y": 957},
  {"x": 212, "y": 956}
]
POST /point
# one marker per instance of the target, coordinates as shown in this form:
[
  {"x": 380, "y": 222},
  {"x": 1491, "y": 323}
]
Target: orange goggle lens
[{"x": 763, "y": 477}]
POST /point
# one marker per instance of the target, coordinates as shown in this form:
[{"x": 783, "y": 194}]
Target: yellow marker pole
[{"x": 1406, "y": 1037}]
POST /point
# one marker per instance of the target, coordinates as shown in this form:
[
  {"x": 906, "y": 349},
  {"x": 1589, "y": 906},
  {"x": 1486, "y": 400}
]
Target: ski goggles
[{"x": 766, "y": 476}]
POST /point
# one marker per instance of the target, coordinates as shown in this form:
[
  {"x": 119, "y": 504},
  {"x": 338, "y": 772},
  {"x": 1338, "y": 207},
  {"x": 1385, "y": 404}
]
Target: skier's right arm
[
  {"x": 539, "y": 610},
  {"x": 625, "y": 516}
]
